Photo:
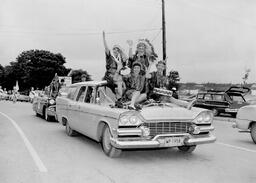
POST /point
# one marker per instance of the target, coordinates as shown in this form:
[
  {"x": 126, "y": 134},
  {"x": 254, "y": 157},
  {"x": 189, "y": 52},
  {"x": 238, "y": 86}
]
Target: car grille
[{"x": 168, "y": 127}]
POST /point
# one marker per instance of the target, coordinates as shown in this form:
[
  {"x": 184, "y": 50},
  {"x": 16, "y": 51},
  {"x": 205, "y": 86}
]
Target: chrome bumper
[
  {"x": 231, "y": 110},
  {"x": 157, "y": 141},
  {"x": 51, "y": 111}
]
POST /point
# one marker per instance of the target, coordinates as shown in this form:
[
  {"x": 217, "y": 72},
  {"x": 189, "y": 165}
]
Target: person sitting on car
[
  {"x": 135, "y": 83},
  {"x": 54, "y": 86},
  {"x": 158, "y": 80}
]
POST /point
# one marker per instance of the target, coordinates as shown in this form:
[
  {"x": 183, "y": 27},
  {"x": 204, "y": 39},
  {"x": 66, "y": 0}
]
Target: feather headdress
[{"x": 149, "y": 49}]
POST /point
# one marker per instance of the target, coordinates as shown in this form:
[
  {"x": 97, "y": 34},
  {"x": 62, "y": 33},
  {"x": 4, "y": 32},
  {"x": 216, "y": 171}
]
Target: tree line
[{"x": 36, "y": 68}]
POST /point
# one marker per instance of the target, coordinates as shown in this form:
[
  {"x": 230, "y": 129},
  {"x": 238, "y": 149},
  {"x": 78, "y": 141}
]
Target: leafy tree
[
  {"x": 173, "y": 78},
  {"x": 78, "y": 74},
  {"x": 35, "y": 68},
  {"x": 1, "y": 74}
]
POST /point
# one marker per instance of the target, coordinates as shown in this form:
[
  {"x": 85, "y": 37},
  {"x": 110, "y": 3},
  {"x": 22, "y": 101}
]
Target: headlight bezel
[
  {"x": 51, "y": 101},
  {"x": 205, "y": 117},
  {"x": 130, "y": 119}
]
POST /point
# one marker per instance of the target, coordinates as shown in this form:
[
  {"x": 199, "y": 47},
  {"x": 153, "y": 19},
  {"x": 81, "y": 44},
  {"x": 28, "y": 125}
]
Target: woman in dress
[{"x": 115, "y": 62}]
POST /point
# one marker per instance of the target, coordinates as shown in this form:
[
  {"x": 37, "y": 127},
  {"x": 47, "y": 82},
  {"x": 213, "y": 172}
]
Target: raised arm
[
  {"x": 105, "y": 43},
  {"x": 130, "y": 43}
]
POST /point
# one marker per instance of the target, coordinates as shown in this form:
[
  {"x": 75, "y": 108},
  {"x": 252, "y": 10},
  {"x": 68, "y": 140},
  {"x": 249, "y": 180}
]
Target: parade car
[
  {"x": 246, "y": 120},
  {"x": 45, "y": 106},
  {"x": 89, "y": 108},
  {"x": 228, "y": 101}
]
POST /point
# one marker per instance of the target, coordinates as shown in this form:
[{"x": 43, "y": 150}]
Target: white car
[
  {"x": 89, "y": 110},
  {"x": 246, "y": 120}
]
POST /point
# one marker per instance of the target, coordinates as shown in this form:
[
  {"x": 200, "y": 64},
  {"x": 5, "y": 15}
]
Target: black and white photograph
[{"x": 127, "y": 91}]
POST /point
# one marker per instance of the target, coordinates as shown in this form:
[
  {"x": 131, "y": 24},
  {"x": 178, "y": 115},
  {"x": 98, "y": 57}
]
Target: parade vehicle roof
[{"x": 91, "y": 83}]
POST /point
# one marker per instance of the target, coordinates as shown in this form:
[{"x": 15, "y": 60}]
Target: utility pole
[{"x": 163, "y": 33}]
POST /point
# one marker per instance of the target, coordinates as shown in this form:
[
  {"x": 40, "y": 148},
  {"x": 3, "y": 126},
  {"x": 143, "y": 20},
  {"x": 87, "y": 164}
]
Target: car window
[
  {"x": 89, "y": 95},
  {"x": 104, "y": 96},
  {"x": 218, "y": 97},
  {"x": 71, "y": 93},
  {"x": 200, "y": 96},
  {"x": 237, "y": 98},
  {"x": 208, "y": 97},
  {"x": 81, "y": 94}
]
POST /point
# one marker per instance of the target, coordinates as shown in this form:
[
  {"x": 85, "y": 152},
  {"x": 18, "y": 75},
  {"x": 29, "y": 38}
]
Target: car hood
[
  {"x": 162, "y": 113},
  {"x": 247, "y": 112}
]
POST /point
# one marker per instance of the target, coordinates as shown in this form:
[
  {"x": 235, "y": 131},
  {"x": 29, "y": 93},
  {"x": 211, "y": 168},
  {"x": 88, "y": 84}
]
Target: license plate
[{"x": 172, "y": 141}]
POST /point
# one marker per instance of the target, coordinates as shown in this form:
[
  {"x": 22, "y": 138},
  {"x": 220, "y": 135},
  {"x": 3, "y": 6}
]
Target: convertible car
[
  {"x": 246, "y": 120},
  {"x": 90, "y": 109}
]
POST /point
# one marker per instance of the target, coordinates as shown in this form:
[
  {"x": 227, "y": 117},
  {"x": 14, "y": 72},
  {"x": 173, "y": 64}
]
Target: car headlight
[
  {"x": 51, "y": 101},
  {"x": 129, "y": 119},
  {"x": 205, "y": 117}
]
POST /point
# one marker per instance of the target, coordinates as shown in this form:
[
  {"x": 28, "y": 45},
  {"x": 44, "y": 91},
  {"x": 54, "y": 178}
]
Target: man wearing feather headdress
[{"x": 145, "y": 54}]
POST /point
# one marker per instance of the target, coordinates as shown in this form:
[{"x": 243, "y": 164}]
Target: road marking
[
  {"x": 30, "y": 148},
  {"x": 236, "y": 147}
]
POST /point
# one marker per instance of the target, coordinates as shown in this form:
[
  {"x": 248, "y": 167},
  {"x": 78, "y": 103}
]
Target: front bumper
[
  {"x": 159, "y": 140},
  {"x": 231, "y": 110},
  {"x": 51, "y": 111}
]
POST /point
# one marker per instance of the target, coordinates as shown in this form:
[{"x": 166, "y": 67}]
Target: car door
[
  {"x": 88, "y": 113},
  {"x": 63, "y": 103},
  {"x": 208, "y": 101},
  {"x": 199, "y": 100},
  {"x": 74, "y": 108}
]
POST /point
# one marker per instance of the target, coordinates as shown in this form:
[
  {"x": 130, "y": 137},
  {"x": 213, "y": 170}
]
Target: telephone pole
[{"x": 163, "y": 33}]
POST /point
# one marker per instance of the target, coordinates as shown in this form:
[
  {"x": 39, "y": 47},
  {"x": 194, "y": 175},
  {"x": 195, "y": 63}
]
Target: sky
[{"x": 207, "y": 40}]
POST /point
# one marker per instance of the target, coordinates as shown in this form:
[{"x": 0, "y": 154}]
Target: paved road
[{"x": 36, "y": 151}]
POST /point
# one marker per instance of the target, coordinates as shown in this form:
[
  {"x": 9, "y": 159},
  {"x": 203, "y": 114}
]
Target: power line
[
  {"x": 158, "y": 33},
  {"x": 79, "y": 33}
]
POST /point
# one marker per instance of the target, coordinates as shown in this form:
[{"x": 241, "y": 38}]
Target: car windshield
[
  {"x": 217, "y": 97},
  {"x": 105, "y": 96},
  {"x": 236, "y": 98}
]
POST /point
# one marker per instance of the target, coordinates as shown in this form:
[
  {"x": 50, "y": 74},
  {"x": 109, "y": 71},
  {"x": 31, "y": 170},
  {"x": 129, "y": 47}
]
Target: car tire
[
  {"x": 253, "y": 132},
  {"x": 37, "y": 114},
  {"x": 107, "y": 147},
  {"x": 215, "y": 112},
  {"x": 187, "y": 149},
  {"x": 69, "y": 131}
]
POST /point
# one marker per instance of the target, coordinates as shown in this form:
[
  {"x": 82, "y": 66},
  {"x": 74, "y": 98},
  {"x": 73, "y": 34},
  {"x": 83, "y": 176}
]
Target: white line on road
[
  {"x": 30, "y": 148},
  {"x": 236, "y": 147}
]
